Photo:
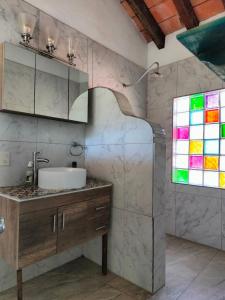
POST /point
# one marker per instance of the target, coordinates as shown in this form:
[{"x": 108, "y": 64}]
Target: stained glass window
[{"x": 199, "y": 139}]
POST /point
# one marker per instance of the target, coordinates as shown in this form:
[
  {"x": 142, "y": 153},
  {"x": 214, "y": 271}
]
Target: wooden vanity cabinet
[
  {"x": 37, "y": 229},
  {"x": 72, "y": 225}
]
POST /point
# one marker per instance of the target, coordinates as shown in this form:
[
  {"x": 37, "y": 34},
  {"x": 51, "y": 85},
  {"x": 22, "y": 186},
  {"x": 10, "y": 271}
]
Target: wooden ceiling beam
[
  {"x": 223, "y": 1},
  {"x": 144, "y": 14},
  {"x": 186, "y": 13}
]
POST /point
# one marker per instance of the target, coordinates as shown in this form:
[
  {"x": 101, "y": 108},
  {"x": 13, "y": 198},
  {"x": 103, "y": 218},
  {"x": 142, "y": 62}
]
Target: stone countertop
[{"x": 25, "y": 193}]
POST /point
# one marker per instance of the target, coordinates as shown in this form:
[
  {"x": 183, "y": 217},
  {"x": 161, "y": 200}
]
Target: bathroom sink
[{"x": 61, "y": 178}]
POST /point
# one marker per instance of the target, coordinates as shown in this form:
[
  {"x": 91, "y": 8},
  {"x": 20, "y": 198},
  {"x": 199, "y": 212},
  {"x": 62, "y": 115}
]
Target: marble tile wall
[
  {"x": 22, "y": 135},
  {"x": 194, "y": 213},
  {"x": 120, "y": 149}
]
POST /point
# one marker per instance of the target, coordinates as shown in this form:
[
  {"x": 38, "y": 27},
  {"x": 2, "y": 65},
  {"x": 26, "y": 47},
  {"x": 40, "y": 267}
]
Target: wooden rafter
[
  {"x": 223, "y": 1},
  {"x": 186, "y": 13},
  {"x": 144, "y": 14}
]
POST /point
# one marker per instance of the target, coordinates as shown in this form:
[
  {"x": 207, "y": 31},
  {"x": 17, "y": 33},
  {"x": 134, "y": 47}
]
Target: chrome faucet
[{"x": 36, "y": 160}]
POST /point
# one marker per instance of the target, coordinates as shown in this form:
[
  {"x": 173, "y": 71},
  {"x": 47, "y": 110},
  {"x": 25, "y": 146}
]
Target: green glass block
[
  {"x": 222, "y": 130},
  {"x": 197, "y": 102},
  {"x": 180, "y": 176}
]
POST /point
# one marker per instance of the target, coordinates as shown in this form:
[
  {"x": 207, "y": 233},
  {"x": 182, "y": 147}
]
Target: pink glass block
[
  {"x": 212, "y": 100},
  {"x": 196, "y": 162},
  {"x": 182, "y": 133}
]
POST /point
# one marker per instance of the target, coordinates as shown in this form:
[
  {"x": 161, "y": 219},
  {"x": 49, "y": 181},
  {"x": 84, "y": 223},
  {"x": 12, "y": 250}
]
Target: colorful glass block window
[
  {"x": 181, "y": 104},
  {"x": 211, "y": 163},
  {"x": 196, "y": 147},
  {"x": 222, "y": 180},
  {"x": 196, "y": 132},
  {"x": 182, "y": 133},
  {"x": 222, "y": 114},
  {"x": 199, "y": 139},
  {"x": 222, "y": 147},
  {"x": 212, "y": 116},
  {"x": 222, "y": 163},
  {"x": 182, "y": 119},
  {"x": 196, "y": 117},
  {"x": 197, "y": 102},
  {"x": 211, "y": 147},
  {"x": 212, "y": 131},
  {"x": 182, "y": 147},
  {"x": 181, "y": 161},
  {"x": 195, "y": 161},
  {"x": 195, "y": 177},
  {"x": 222, "y": 98},
  {"x": 211, "y": 179},
  {"x": 212, "y": 100},
  {"x": 180, "y": 176},
  {"x": 222, "y": 131}
]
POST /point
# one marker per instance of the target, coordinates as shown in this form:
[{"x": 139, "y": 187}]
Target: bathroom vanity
[{"x": 36, "y": 224}]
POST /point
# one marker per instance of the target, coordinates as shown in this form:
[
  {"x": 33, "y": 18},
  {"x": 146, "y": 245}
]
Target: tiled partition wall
[
  {"x": 21, "y": 135},
  {"x": 120, "y": 149},
  {"x": 194, "y": 213}
]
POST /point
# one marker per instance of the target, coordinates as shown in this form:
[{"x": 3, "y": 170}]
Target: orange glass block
[
  {"x": 222, "y": 180},
  {"x": 196, "y": 147},
  {"x": 212, "y": 116},
  {"x": 211, "y": 163}
]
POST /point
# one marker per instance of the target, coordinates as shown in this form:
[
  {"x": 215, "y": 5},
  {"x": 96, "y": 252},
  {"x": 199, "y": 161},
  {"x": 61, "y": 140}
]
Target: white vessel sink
[{"x": 61, "y": 178}]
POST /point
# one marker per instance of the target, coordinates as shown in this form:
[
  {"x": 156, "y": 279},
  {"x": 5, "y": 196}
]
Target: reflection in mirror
[
  {"x": 51, "y": 91},
  {"x": 78, "y": 96},
  {"x": 19, "y": 74}
]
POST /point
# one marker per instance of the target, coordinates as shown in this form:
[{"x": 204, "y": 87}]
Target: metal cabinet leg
[
  {"x": 104, "y": 253},
  {"x": 19, "y": 285}
]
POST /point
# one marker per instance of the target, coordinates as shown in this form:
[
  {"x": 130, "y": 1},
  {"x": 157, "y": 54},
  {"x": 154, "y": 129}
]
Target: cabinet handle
[
  {"x": 100, "y": 228},
  {"x": 54, "y": 223},
  {"x": 63, "y": 222},
  {"x": 100, "y": 208}
]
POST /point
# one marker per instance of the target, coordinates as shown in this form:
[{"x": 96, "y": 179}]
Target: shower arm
[{"x": 143, "y": 75}]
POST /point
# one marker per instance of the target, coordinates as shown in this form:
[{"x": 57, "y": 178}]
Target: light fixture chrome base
[
  {"x": 26, "y": 37},
  {"x": 51, "y": 48},
  {"x": 71, "y": 58}
]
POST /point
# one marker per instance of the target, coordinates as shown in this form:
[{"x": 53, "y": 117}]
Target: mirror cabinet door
[
  {"x": 51, "y": 90},
  {"x": 78, "y": 96},
  {"x": 18, "y": 79}
]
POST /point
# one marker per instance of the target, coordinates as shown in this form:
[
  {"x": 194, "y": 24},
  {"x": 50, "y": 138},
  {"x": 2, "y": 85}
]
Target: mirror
[
  {"x": 19, "y": 76},
  {"x": 78, "y": 96},
  {"x": 51, "y": 89}
]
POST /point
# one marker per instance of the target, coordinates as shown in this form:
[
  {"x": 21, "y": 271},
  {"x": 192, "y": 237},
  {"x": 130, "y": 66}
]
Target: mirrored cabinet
[
  {"x": 17, "y": 79},
  {"x": 51, "y": 88},
  {"x": 78, "y": 96},
  {"x": 31, "y": 83}
]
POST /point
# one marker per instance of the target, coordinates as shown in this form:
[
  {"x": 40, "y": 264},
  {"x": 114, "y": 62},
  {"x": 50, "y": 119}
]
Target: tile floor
[{"x": 193, "y": 272}]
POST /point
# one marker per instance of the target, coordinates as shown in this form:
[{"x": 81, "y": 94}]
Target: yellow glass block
[
  {"x": 222, "y": 180},
  {"x": 211, "y": 163},
  {"x": 196, "y": 147}
]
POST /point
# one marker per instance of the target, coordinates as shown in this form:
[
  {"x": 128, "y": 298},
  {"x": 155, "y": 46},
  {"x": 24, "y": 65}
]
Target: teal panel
[{"x": 207, "y": 42}]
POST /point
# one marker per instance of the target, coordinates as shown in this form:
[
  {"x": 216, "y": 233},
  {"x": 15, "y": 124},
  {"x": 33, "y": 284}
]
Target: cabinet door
[
  {"x": 18, "y": 79},
  {"x": 78, "y": 96},
  {"x": 37, "y": 236},
  {"x": 51, "y": 88},
  {"x": 72, "y": 229}
]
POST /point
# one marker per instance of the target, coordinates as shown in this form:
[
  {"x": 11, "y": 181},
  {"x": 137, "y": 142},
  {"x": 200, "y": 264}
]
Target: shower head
[{"x": 155, "y": 74}]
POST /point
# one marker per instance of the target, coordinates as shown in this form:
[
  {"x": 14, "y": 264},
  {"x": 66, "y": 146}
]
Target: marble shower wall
[
  {"x": 194, "y": 213},
  {"x": 21, "y": 135},
  {"x": 120, "y": 149}
]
